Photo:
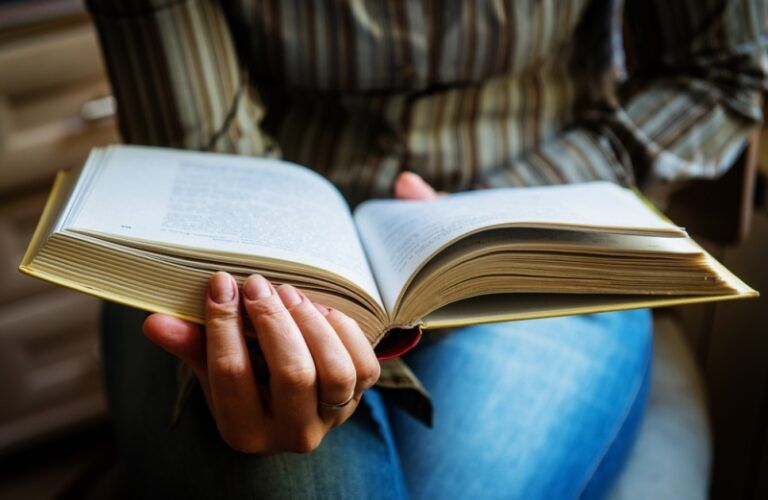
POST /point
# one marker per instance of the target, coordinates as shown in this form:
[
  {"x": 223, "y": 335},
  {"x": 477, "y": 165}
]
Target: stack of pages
[{"x": 148, "y": 226}]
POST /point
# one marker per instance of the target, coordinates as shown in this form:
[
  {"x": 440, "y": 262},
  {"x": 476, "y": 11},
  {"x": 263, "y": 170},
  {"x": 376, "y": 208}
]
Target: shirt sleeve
[
  {"x": 176, "y": 78},
  {"x": 694, "y": 95},
  {"x": 580, "y": 154},
  {"x": 698, "y": 69}
]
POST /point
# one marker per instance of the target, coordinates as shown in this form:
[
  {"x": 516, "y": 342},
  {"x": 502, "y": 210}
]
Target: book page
[
  {"x": 224, "y": 204},
  {"x": 400, "y": 236}
]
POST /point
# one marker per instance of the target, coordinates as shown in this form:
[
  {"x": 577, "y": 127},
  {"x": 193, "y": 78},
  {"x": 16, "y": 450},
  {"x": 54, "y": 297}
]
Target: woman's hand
[{"x": 316, "y": 357}]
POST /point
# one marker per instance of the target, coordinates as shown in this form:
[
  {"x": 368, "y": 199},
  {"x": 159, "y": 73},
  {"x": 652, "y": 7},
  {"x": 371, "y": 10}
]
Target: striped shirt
[{"x": 468, "y": 94}]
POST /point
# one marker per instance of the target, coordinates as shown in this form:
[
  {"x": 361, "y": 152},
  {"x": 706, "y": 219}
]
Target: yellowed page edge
[
  {"x": 651, "y": 302},
  {"x": 45, "y": 219},
  {"x": 73, "y": 285},
  {"x": 742, "y": 291}
]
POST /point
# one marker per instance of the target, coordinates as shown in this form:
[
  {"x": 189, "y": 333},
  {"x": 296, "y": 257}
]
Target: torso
[{"x": 362, "y": 89}]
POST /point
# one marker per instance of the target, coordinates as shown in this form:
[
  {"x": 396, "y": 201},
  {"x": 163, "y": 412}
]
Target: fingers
[
  {"x": 359, "y": 348},
  {"x": 410, "y": 186},
  {"x": 336, "y": 376},
  {"x": 234, "y": 394},
  {"x": 291, "y": 368},
  {"x": 309, "y": 350}
]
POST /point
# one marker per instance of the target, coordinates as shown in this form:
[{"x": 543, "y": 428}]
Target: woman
[{"x": 467, "y": 95}]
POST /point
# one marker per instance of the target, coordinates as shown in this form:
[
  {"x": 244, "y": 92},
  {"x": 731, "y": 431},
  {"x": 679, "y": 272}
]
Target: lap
[{"x": 527, "y": 408}]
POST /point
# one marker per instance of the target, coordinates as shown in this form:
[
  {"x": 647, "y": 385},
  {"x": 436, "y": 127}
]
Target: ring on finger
[{"x": 336, "y": 406}]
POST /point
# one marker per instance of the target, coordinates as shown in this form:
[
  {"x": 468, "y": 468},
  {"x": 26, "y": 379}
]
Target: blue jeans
[{"x": 530, "y": 409}]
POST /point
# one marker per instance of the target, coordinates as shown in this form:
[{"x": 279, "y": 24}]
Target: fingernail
[
  {"x": 222, "y": 288},
  {"x": 257, "y": 287},
  {"x": 322, "y": 309},
  {"x": 289, "y": 295}
]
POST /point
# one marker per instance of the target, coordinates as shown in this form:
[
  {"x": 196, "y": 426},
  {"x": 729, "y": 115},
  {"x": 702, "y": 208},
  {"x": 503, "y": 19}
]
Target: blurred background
[
  {"x": 55, "y": 440},
  {"x": 54, "y": 106}
]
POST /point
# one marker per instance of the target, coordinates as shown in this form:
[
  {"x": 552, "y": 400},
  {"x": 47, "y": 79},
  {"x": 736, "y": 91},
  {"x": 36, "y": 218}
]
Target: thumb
[
  {"x": 410, "y": 186},
  {"x": 181, "y": 338}
]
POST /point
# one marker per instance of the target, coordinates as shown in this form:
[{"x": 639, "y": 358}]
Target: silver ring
[{"x": 335, "y": 406}]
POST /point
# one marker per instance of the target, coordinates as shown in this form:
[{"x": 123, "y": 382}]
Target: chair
[{"x": 673, "y": 455}]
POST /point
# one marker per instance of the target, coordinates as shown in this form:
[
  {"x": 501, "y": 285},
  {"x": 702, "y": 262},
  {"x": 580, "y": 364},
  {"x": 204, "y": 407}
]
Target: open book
[{"x": 148, "y": 226}]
